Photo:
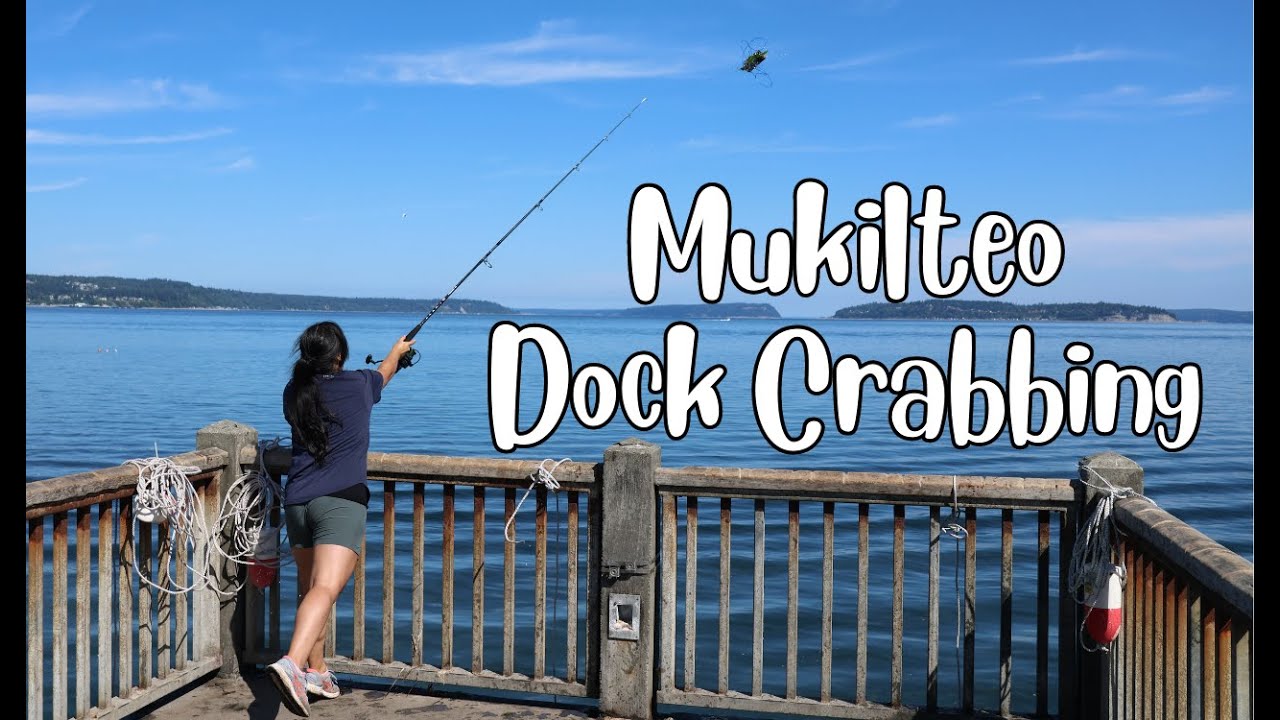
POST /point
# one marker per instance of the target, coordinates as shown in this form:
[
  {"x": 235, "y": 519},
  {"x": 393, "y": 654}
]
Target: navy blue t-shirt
[{"x": 349, "y": 396}]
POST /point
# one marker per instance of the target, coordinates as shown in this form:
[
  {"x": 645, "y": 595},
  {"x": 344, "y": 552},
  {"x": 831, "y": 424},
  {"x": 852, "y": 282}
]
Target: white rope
[
  {"x": 165, "y": 495},
  {"x": 243, "y": 521},
  {"x": 542, "y": 476},
  {"x": 954, "y": 530},
  {"x": 1091, "y": 558}
]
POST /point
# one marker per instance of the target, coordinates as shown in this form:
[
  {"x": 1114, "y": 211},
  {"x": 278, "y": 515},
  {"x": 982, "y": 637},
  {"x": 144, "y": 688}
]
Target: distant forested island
[
  {"x": 697, "y": 311},
  {"x": 81, "y": 291},
  {"x": 996, "y": 310}
]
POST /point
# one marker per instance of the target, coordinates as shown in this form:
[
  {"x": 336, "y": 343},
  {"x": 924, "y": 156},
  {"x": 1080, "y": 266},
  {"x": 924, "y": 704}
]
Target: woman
[{"x": 326, "y": 498}]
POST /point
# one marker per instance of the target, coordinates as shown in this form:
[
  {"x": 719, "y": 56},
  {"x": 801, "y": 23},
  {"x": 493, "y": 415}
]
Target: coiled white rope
[
  {"x": 166, "y": 496},
  {"x": 1092, "y": 561},
  {"x": 243, "y": 519}
]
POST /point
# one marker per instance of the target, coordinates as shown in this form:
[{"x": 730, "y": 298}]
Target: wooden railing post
[
  {"x": 1095, "y": 684},
  {"x": 627, "y": 580},
  {"x": 219, "y": 621}
]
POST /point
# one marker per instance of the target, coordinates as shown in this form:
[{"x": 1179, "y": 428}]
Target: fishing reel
[{"x": 408, "y": 359}]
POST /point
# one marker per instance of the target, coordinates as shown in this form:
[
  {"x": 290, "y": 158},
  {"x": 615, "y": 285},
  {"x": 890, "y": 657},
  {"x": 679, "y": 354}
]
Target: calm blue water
[{"x": 104, "y": 386}]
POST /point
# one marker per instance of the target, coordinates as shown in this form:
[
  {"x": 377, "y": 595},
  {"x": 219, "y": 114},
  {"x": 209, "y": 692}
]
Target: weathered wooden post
[
  {"x": 1096, "y": 685},
  {"x": 628, "y": 553},
  {"x": 218, "y": 619}
]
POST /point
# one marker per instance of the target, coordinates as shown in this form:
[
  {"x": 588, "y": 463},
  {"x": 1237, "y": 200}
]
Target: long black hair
[{"x": 321, "y": 348}]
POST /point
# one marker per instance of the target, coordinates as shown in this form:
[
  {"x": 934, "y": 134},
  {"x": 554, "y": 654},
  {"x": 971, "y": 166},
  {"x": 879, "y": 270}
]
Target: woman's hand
[{"x": 391, "y": 363}]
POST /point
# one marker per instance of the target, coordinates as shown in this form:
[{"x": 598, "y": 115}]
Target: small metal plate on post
[{"x": 624, "y": 616}]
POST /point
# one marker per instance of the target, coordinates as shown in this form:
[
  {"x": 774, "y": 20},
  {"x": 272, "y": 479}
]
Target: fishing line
[{"x": 410, "y": 358}]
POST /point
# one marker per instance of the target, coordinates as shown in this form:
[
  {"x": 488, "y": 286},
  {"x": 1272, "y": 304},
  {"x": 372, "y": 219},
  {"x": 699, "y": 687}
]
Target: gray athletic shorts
[{"x": 326, "y": 521}]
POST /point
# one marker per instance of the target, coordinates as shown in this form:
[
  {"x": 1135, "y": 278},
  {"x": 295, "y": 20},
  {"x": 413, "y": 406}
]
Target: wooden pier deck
[{"x": 254, "y": 697}]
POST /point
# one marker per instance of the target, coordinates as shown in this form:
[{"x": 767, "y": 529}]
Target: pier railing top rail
[
  {"x": 45, "y": 497},
  {"x": 1204, "y": 560},
  {"x": 1012, "y": 493}
]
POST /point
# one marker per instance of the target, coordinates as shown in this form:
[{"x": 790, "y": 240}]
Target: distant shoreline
[{"x": 616, "y": 315}]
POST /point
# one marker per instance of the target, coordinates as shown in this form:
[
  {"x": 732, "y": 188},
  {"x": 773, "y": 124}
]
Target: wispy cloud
[
  {"x": 1024, "y": 99},
  {"x": 1128, "y": 101},
  {"x": 1176, "y": 242},
  {"x": 68, "y": 21},
  {"x": 136, "y": 96},
  {"x": 46, "y": 137},
  {"x": 52, "y": 187},
  {"x": 240, "y": 165},
  {"x": 1080, "y": 56},
  {"x": 786, "y": 143},
  {"x": 553, "y": 54},
  {"x": 857, "y": 61},
  {"x": 930, "y": 121},
  {"x": 1202, "y": 96}
]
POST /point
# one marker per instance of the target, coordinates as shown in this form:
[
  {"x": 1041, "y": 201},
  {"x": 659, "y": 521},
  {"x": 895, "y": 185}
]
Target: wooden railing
[
  {"x": 168, "y": 641},
  {"x": 842, "y": 691},
  {"x": 630, "y": 636},
  {"x": 442, "y": 479},
  {"x": 1186, "y": 645}
]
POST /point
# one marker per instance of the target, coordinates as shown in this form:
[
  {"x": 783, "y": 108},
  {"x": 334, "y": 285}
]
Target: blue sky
[{"x": 379, "y": 149}]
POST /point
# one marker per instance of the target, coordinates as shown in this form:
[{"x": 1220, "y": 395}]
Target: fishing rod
[{"x": 409, "y": 358}]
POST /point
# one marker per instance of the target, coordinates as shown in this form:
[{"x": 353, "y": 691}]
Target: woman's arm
[{"x": 391, "y": 362}]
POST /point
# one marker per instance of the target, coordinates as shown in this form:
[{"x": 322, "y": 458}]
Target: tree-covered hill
[
  {"x": 997, "y": 310},
  {"x": 157, "y": 293}
]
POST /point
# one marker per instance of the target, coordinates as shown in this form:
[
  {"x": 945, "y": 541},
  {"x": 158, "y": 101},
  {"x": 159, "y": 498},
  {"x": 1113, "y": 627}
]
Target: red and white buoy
[
  {"x": 1104, "y": 609},
  {"x": 266, "y": 558}
]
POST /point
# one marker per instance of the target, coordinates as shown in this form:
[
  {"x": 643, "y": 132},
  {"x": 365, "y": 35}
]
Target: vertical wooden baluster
[
  {"x": 828, "y": 580},
  {"x": 509, "y": 586},
  {"x": 1042, "y": 613},
  {"x": 935, "y": 566},
  {"x": 1225, "y": 689},
  {"x": 1209, "y": 666},
  {"x": 667, "y": 659},
  {"x": 1130, "y": 620},
  {"x": 164, "y": 605},
  {"x": 446, "y": 578},
  {"x": 571, "y": 593},
  {"x": 477, "y": 579},
  {"x": 274, "y": 609},
  {"x": 1170, "y": 636},
  {"x": 1156, "y": 598},
  {"x": 593, "y": 594},
  {"x": 106, "y": 569},
  {"x": 793, "y": 592},
  {"x": 1182, "y": 662},
  {"x": 540, "y": 584},
  {"x": 358, "y": 607},
  {"x": 690, "y": 591},
  {"x": 1150, "y": 699},
  {"x": 182, "y": 624},
  {"x": 863, "y": 565},
  {"x": 1006, "y": 612},
  {"x": 124, "y": 609},
  {"x": 1195, "y": 655},
  {"x": 35, "y": 619},
  {"x": 146, "y": 625},
  {"x": 1068, "y": 622},
  {"x": 1242, "y": 641},
  {"x": 757, "y": 606},
  {"x": 388, "y": 570},
  {"x": 419, "y": 543},
  {"x": 895, "y": 656},
  {"x": 84, "y": 580},
  {"x": 722, "y": 674},
  {"x": 970, "y": 601},
  {"x": 59, "y": 638}
]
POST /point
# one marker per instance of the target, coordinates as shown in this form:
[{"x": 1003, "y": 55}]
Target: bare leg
[
  {"x": 305, "y": 559},
  {"x": 330, "y": 568}
]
